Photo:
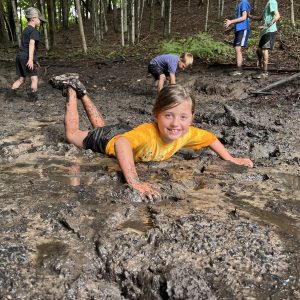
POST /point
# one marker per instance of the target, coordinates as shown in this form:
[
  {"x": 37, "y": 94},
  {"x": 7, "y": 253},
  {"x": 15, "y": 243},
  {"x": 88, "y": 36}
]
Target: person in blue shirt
[
  {"x": 242, "y": 30},
  {"x": 164, "y": 67}
]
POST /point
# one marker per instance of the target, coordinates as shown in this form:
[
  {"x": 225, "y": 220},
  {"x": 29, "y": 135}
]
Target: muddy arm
[
  {"x": 218, "y": 147},
  {"x": 124, "y": 155},
  {"x": 234, "y": 21},
  {"x": 31, "y": 51}
]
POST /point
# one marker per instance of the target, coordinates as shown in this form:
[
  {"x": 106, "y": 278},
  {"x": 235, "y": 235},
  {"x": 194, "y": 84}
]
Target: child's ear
[{"x": 155, "y": 115}]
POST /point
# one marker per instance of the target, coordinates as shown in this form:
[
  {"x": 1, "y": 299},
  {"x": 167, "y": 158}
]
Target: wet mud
[{"x": 70, "y": 228}]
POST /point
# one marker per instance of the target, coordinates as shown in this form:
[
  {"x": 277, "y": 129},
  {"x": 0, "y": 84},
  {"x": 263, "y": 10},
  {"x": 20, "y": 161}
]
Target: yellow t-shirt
[{"x": 148, "y": 146}]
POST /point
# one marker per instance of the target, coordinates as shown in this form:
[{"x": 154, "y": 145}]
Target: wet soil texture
[{"x": 72, "y": 229}]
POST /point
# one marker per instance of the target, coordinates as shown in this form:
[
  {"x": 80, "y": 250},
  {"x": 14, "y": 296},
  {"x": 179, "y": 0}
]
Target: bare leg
[
  {"x": 265, "y": 59},
  {"x": 161, "y": 82},
  {"x": 93, "y": 113},
  {"x": 239, "y": 57},
  {"x": 17, "y": 83},
  {"x": 73, "y": 134},
  {"x": 34, "y": 83},
  {"x": 259, "y": 58}
]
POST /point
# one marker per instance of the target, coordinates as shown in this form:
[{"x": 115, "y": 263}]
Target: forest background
[{"x": 98, "y": 29}]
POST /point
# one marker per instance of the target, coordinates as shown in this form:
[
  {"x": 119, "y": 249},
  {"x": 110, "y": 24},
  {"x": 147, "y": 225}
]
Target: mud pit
[{"x": 71, "y": 229}]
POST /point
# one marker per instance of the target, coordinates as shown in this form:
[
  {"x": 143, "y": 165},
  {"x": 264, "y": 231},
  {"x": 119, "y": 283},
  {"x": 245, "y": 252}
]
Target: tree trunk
[
  {"x": 206, "y": 16},
  {"x": 65, "y": 14},
  {"x": 97, "y": 23},
  {"x": 132, "y": 22},
  {"x": 3, "y": 33},
  {"x": 103, "y": 12},
  {"x": 293, "y": 14},
  {"x": 45, "y": 26},
  {"x": 125, "y": 15},
  {"x": 167, "y": 18},
  {"x": 51, "y": 20},
  {"x": 151, "y": 9},
  {"x": 162, "y": 9},
  {"x": 189, "y": 6},
  {"x": 222, "y": 8},
  {"x": 81, "y": 29},
  {"x": 122, "y": 23},
  {"x": 16, "y": 20},
  {"x": 140, "y": 18}
]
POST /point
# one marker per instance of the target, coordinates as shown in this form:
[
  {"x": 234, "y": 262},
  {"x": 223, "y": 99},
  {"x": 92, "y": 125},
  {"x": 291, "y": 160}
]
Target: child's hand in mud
[
  {"x": 242, "y": 161},
  {"x": 147, "y": 191}
]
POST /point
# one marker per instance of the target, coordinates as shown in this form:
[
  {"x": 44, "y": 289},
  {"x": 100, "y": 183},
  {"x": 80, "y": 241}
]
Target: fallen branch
[{"x": 275, "y": 84}]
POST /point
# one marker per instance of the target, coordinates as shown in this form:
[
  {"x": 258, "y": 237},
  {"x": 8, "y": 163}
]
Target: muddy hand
[
  {"x": 243, "y": 162},
  {"x": 227, "y": 23},
  {"x": 148, "y": 192},
  {"x": 30, "y": 64}
]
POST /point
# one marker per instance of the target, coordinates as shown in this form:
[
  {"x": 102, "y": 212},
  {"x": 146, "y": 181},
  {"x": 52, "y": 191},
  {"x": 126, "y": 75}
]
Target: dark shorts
[
  {"x": 22, "y": 70},
  {"x": 241, "y": 38},
  {"x": 267, "y": 41},
  {"x": 156, "y": 71},
  {"x": 98, "y": 138}
]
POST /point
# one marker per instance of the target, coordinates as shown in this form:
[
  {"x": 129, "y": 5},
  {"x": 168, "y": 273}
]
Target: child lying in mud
[{"x": 171, "y": 130}]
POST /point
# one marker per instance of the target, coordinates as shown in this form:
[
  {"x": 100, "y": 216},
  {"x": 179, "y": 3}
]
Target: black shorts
[
  {"x": 156, "y": 71},
  {"x": 98, "y": 138},
  {"x": 241, "y": 38},
  {"x": 267, "y": 41},
  {"x": 22, "y": 70}
]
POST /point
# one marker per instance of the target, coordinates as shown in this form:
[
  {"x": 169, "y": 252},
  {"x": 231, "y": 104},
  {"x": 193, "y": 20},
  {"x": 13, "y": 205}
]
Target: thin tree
[
  {"x": 45, "y": 26},
  {"x": 206, "y": 16},
  {"x": 162, "y": 9},
  {"x": 51, "y": 22},
  {"x": 151, "y": 9},
  {"x": 65, "y": 14},
  {"x": 16, "y": 20},
  {"x": 293, "y": 14},
  {"x": 81, "y": 29},
  {"x": 122, "y": 22},
  {"x": 3, "y": 32}
]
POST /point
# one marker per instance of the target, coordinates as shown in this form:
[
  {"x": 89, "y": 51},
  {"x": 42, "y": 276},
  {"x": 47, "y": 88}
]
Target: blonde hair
[
  {"x": 187, "y": 58},
  {"x": 170, "y": 96}
]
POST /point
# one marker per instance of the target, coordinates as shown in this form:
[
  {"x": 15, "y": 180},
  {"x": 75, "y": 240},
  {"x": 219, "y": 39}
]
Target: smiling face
[{"x": 174, "y": 122}]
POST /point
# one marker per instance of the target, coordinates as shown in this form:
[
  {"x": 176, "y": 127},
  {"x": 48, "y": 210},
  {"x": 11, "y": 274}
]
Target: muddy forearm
[
  {"x": 31, "y": 49},
  {"x": 172, "y": 78},
  {"x": 219, "y": 148},
  {"x": 125, "y": 158}
]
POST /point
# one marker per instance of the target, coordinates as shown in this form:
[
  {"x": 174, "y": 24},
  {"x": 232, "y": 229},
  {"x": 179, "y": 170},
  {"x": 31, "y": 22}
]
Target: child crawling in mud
[{"x": 171, "y": 130}]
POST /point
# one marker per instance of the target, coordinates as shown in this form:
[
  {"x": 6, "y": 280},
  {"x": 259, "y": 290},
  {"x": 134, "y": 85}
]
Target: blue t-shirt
[
  {"x": 167, "y": 62},
  {"x": 242, "y": 6}
]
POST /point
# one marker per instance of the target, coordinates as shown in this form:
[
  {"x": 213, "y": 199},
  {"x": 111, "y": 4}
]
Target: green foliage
[{"x": 201, "y": 45}]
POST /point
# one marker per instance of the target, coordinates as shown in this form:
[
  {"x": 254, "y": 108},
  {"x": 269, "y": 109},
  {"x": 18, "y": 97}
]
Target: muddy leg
[
  {"x": 34, "y": 83},
  {"x": 73, "y": 134},
  {"x": 265, "y": 59},
  {"x": 93, "y": 113},
  {"x": 238, "y": 57},
  {"x": 259, "y": 58},
  {"x": 161, "y": 82},
  {"x": 17, "y": 83}
]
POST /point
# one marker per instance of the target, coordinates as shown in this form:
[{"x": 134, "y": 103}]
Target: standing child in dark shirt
[
  {"x": 164, "y": 67},
  {"x": 27, "y": 57}
]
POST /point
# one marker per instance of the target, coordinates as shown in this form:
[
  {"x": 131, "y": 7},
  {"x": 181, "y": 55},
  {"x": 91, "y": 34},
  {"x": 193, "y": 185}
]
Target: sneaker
[
  {"x": 62, "y": 82},
  {"x": 236, "y": 73},
  {"x": 260, "y": 75},
  {"x": 32, "y": 96},
  {"x": 10, "y": 94}
]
